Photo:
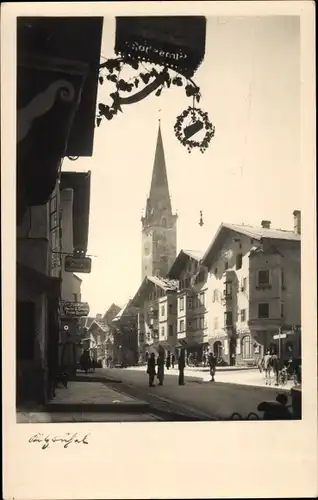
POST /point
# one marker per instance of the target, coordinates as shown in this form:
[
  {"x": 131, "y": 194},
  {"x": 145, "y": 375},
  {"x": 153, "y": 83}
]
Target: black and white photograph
[{"x": 159, "y": 214}]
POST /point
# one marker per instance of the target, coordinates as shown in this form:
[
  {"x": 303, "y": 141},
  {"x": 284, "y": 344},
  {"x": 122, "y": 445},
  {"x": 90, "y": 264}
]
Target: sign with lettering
[
  {"x": 77, "y": 264},
  {"x": 75, "y": 309},
  {"x": 174, "y": 41}
]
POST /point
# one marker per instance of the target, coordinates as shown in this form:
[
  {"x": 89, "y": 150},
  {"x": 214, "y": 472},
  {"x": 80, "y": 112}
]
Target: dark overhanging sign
[
  {"x": 77, "y": 264},
  {"x": 174, "y": 41},
  {"x": 75, "y": 309}
]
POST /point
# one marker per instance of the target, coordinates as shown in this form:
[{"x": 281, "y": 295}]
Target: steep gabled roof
[
  {"x": 126, "y": 310},
  {"x": 181, "y": 260},
  {"x": 165, "y": 284},
  {"x": 87, "y": 321},
  {"x": 100, "y": 325},
  {"x": 261, "y": 232},
  {"x": 113, "y": 307},
  {"x": 254, "y": 232}
]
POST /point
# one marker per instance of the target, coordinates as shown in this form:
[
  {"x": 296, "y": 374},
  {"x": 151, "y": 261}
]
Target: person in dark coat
[
  {"x": 85, "y": 361},
  {"x": 151, "y": 369},
  {"x": 168, "y": 360},
  {"x": 277, "y": 365},
  {"x": 212, "y": 365},
  {"x": 161, "y": 367},
  {"x": 173, "y": 360},
  {"x": 181, "y": 366},
  {"x": 204, "y": 359}
]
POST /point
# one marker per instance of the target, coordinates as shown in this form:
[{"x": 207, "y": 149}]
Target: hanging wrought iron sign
[
  {"x": 175, "y": 44},
  {"x": 198, "y": 120},
  {"x": 75, "y": 264},
  {"x": 75, "y": 309}
]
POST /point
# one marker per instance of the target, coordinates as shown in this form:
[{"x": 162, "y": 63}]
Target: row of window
[
  {"x": 194, "y": 324},
  {"x": 262, "y": 313},
  {"x": 193, "y": 302}
]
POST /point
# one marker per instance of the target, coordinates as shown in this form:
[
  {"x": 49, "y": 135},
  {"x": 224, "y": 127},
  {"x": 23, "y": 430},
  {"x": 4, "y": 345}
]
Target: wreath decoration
[{"x": 197, "y": 115}]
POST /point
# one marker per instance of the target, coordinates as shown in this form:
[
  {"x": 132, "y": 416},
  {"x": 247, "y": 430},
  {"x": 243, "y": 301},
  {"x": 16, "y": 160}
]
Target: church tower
[{"x": 159, "y": 232}]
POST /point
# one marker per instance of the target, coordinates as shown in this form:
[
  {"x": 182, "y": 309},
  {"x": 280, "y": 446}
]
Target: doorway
[
  {"x": 232, "y": 352},
  {"x": 218, "y": 351}
]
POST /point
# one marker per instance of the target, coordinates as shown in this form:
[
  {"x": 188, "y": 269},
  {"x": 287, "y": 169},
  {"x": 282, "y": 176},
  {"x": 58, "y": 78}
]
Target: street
[
  {"x": 123, "y": 394},
  {"x": 234, "y": 391}
]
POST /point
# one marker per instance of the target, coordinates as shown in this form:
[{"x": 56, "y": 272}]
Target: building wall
[
  {"x": 66, "y": 197},
  {"x": 192, "y": 307},
  {"x": 152, "y": 326},
  {"x": 159, "y": 246},
  {"x": 55, "y": 232},
  {"x": 167, "y": 306},
  {"x": 249, "y": 335},
  {"x": 76, "y": 288},
  {"x": 33, "y": 252}
]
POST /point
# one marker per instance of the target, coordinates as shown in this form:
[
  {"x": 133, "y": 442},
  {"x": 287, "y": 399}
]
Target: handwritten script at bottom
[{"x": 66, "y": 440}]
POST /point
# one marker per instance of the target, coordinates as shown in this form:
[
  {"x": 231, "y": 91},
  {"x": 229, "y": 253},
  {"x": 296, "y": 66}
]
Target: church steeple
[
  {"x": 159, "y": 232},
  {"x": 159, "y": 190}
]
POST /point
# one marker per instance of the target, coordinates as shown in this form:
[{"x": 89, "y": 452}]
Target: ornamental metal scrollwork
[{"x": 41, "y": 104}]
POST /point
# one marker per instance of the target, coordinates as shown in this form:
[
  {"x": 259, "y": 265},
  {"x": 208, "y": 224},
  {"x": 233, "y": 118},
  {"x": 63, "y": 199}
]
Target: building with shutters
[
  {"x": 253, "y": 291},
  {"x": 192, "y": 306}
]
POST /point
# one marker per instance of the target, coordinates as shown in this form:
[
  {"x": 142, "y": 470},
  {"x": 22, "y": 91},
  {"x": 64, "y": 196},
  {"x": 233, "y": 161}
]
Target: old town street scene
[{"x": 158, "y": 219}]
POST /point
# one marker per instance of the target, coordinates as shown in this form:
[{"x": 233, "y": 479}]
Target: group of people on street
[
  {"x": 156, "y": 367},
  {"x": 270, "y": 364}
]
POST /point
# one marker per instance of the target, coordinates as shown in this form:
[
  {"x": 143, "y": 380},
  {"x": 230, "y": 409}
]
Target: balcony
[{"x": 227, "y": 298}]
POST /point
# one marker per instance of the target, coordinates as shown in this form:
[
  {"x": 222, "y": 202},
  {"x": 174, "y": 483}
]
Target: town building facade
[
  {"x": 192, "y": 306},
  {"x": 126, "y": 336},
  {"x": 156, "y": 302},
  {"x": 253, "y": 292}
]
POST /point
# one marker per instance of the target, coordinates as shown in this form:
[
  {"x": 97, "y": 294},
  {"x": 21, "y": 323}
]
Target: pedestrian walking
[
  {"x": 204, "y": 359},
  {"x": 212, "y": 365},
  {"x": 181, "y": 366},
  {"x": 151, "y": 369},
  {"x": 173, "y": 360},
  {"x": 85, "y": 361},
  {"x": 277, "y": 365},
  {"x": 267, "y": 367},
  {"x": 168, "y": 360},
  {"x": 260, "y": 364},
  {"x": 161, "y": 367}
]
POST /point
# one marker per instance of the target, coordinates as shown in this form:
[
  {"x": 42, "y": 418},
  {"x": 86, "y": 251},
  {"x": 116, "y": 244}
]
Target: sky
[{"x": 250, "y": 85}]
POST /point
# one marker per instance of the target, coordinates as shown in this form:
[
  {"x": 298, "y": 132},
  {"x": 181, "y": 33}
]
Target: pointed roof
[
  {"x": 159, "y": 189},
  {"x": 167, "y": 285},
  {"x": 254, "y": 232},
  {"x": 181, "y": 260}
]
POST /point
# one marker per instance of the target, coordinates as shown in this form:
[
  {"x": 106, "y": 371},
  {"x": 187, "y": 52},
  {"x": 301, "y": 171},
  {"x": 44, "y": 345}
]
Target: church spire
[{"x": 159, "y": 190}]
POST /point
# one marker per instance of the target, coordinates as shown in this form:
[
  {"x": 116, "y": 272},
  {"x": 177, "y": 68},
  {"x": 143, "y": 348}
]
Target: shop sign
[
  {"x": 75, "y": 309},
  {"x": 78, "y": 264}
]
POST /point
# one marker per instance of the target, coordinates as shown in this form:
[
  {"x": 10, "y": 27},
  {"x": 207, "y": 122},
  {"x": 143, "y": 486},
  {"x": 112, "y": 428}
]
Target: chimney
[
  {"x": 266, "y": 224},
  {"x": 297, "y": 221}
]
